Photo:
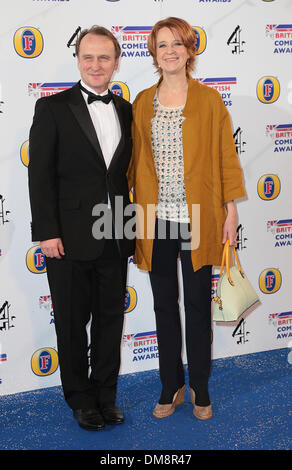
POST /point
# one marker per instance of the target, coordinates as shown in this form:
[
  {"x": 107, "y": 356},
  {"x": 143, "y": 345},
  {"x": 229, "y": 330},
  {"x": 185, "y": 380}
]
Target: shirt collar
[{"x": 105, "y": 92}]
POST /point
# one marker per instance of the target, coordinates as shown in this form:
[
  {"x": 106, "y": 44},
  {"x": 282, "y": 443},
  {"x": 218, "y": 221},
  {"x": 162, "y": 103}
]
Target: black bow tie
[{"x": 92, "y": 97}]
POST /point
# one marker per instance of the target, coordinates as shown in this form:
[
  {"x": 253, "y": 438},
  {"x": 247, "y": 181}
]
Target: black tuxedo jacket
[{"x": 68, "y": 175}]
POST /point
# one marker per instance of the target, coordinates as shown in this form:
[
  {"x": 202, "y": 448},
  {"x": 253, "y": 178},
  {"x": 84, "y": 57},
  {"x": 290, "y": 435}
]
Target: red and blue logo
[
  {"x": 215, "y": 279},
  {"x": 133, "y": 40},
  {"x": 41, "y": 89},
  {"x": 130, "y": 299},
  {"x": 201, "y": 39},
  {"x": 268, "y": 89},
  {"x": 269, "y": 187},
  {"x": 282, "y": 231},
  {"x": 281, "y": 34},
  {"x": 44, "y": 361},
  {"x": 281, "y": 135},
  {"x": 280, "y": 318},
  {"x": 283, "y": 323},
  {"x": 221, "y": 84},
  {"x": 270, "y": 280},
  {"x": 35, "y": 260},
  {"x": 28, "y": 42},
  {"x": 45, "y": 302},
  {"x": 120, "y": 89},
  {"x": 3, "y": 357},
  {"x": 143, "y": 345}
]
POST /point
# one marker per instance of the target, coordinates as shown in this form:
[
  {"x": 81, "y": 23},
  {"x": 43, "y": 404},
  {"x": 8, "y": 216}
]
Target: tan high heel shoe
[
  {"x": 200, "y": 412},
  {"x": 162, "y": 411}
]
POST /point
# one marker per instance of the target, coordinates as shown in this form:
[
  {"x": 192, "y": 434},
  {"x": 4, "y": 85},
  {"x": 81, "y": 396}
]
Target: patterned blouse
[{"x": 166, "y": 138}]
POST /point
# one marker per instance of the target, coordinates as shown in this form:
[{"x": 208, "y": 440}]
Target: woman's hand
[{"x": 230, "y": 224}]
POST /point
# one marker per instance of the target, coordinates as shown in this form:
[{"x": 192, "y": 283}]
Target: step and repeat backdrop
[{"x": 244, "y": 51}]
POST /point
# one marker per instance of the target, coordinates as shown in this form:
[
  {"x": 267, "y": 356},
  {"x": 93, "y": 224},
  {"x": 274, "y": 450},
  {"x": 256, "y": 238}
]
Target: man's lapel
[{"x": 80, "y": 111}]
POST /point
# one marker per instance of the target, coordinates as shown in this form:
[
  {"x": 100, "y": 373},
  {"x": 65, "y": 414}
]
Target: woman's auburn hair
[{"x": 186, "y": 34}]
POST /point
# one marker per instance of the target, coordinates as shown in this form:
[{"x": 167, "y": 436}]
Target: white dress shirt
[{"x": 106, "y": 123}]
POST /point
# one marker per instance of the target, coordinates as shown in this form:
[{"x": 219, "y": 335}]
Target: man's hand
[{"x": 52, "y": 248}]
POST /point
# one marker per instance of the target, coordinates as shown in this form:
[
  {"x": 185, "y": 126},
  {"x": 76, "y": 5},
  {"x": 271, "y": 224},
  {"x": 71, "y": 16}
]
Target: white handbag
[{"x": 234, "y": 294}]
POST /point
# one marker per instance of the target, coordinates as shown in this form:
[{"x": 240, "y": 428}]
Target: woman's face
[{"x": 171, "y": 54}]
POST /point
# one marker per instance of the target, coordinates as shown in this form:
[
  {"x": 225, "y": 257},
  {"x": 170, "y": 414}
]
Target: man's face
[{"x": 96, "y": 61}]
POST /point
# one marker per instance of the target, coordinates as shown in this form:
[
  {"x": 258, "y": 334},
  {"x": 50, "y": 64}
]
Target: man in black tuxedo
[{"x": 80, "y": 147}]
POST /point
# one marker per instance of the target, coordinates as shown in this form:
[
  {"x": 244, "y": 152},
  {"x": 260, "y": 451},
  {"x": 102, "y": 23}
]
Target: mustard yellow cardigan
[{"x": 212, "y": 173}]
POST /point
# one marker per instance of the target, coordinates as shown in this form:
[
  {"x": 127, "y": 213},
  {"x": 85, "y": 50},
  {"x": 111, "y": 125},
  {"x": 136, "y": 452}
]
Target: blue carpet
[{"x": 251, "y": 397}]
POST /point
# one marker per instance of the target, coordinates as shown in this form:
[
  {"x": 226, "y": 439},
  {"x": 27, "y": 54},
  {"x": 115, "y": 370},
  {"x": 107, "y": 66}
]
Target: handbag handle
[{"x": 225, "y": 261}]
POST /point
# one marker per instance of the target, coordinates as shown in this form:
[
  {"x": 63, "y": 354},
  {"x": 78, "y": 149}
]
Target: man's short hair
[{"x": 99, "y": 31}]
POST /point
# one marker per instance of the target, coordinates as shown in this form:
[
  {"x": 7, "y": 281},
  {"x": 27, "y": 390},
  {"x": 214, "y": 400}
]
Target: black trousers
[
  {"x": 82, "y": 291},
  {"x": 197, "y": 303}
]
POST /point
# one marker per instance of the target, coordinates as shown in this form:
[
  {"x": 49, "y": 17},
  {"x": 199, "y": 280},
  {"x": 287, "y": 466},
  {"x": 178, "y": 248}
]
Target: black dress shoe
[
  {"x": 89, "y": 419},
  {"x": 112, "y": 414}
]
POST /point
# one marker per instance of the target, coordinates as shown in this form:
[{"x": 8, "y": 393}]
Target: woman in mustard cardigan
[{"x": 185, "y": 176}]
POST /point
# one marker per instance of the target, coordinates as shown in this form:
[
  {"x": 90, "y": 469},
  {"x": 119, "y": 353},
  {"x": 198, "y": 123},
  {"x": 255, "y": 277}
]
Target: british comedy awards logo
[
  {"x": 214, "y": 1},
  {"x": 133, "y": 40},
  {"x": 282, "y": 322},
  {"x": 281, "y": 231},
  {"x": 222, "y": 84},
  {"x": 39, "y": 90},
  {"x": 143, "y": 346},
  {"x": 45, "y": 303},
  {"x": 28, "y": 42},
  {"x": 281, "y": 135},
  {"x": 281, "y": 35}
]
